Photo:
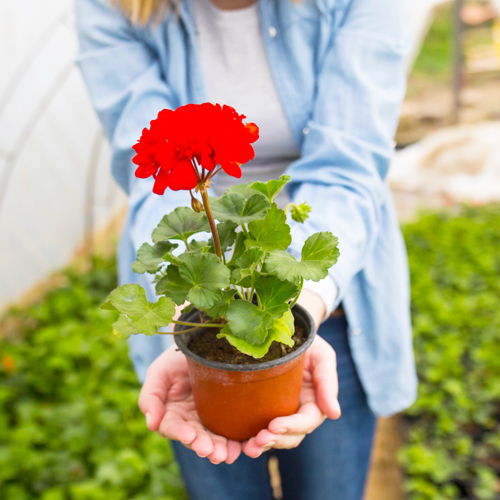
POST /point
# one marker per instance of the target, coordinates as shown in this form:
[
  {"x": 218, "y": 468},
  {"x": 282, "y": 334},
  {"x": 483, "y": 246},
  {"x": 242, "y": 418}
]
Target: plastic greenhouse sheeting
[{"x": 55, "y": 185}]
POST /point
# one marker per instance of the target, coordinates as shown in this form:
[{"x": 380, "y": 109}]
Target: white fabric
[{"x": 236, "y": 72}]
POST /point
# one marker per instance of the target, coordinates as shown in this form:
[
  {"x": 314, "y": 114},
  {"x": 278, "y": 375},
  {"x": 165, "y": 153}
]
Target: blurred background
[{"x": 69, "y": 423}]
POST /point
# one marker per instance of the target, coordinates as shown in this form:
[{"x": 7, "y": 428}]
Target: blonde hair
[{"x": 141, "y": 11}]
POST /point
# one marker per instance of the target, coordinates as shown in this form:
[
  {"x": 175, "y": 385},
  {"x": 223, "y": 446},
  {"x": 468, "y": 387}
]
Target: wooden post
[{"x": 457, "y": 61}]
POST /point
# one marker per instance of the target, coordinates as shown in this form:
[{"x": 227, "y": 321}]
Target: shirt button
[
  {"x": 305, "y": 130},
  {"x": 355, "y": 331},
  {"x": 272, "y": 31}
]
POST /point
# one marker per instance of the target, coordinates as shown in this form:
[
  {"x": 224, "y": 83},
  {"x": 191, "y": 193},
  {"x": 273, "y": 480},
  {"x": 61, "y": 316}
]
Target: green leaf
[
  {"x": 233, "y": 207},
  {"x": 180, "y": 225},
  {"x": 219, "y": 309},
  {"x": 150, "y": 257},
  {"x": 270, "y": 233},
  {"x": 227, "y": 235},
  {"x": 251, "y": 323},
  {"x": 319, "y": 253},
  {"x": 247, "y": 266},
  {"x": 239, "y": 248},
  {"x": 199, "y": 246},
  {"x": 271, "y": 188},
  {"x": 300, "y": 213},
  {"x": 243, "y": 189},
  {"x": 137, "y": 315},
  {"x": 173, "y": 285},
  {"x": 207, "y": 276},
  {"x": 281, "y": 330},
  {"x": 248, "y": 322},
  {"x": 274, "y": 294},
  {"x": 251, "y": 258}
]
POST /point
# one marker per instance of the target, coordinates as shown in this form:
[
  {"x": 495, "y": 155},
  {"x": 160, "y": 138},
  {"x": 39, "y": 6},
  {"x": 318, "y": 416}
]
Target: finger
[
  {"x": 203, "y": 445},
  {"x": 266, "y": 440},
  {"x": 177, "y": 429},
  {"x": 233, "y": 451},
  {"x": 152, "y": 397},
  {"x": 219, "y": 454},
  {"x": 155, "y": 389},
  {"x": 308, "y": 418},
  {"x": 324, "y": 373},
  {"x": 252, "y": 449}
]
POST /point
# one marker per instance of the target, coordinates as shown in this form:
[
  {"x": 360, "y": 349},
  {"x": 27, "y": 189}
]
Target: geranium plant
[{"x": 242, "y": 279}]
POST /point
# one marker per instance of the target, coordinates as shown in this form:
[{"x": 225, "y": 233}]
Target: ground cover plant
[
  {"x": 70, "y": 428},
  {"x": 453, "y": 430}
]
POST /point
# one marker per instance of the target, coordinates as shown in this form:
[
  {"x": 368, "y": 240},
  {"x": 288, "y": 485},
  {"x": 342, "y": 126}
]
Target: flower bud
[{"x": 196, "y": 205}]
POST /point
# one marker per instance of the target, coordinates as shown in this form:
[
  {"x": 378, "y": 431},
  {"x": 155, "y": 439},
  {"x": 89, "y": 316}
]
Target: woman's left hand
[{"x": 318, "y": 398}]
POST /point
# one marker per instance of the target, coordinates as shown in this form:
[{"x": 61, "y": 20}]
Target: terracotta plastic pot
[{"x": 237, "y": 401}]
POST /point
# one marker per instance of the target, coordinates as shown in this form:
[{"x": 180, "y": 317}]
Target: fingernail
[
  {"x": 281, "y": 431},
  {"x": 148, "y": 419},
  {"x": 338, "y": 407},
  {"x": 271, "y": 443}
]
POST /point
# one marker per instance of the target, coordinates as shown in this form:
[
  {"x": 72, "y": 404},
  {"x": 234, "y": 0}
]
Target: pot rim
[{"x": 298, "y": 312}]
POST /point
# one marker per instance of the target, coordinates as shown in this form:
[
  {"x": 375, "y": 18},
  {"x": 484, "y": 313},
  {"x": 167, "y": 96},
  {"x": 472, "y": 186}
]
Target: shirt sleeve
[
  {"x": 123, "y": 78},
  {"x": 326, "y": 289},
  {"x": 348, "y": 142}
]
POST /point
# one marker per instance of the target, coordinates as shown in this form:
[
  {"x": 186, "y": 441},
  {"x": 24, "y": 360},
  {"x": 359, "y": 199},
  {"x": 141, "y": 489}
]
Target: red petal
[
  {"x": 182, "y": 176},
  {"x": 167, "y": 156},
  {"x": 231, "y": 168},
  {"x": 161, "y": 182},
  {"x": 145, "y": 171},
  {"x": 207, "y": 160}
]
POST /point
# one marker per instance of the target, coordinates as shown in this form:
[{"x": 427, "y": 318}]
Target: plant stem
[
  {"x": 245, "y": 230},
  {"x": 211, "y": 175},
  {"x": 204, "y": 325},
  {"x": 298, "y": 295},
  {"x": 211, "y": 221},
  {"x": 239, "y": 293}
]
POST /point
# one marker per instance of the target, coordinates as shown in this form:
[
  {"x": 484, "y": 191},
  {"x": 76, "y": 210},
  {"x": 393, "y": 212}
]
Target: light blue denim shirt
[{"x": 338, "y": 66}]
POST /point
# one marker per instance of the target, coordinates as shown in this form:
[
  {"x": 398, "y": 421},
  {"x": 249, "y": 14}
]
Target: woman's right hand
[{"x": 167, "y": 402}]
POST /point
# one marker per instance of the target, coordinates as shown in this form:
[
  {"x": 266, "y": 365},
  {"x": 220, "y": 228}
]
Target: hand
[
  {"x": 177, "y": 314},
  {"x": 313, "y": 304},
  {"x": 318, "y": 400},
  {"x": 167, "y": 402}
]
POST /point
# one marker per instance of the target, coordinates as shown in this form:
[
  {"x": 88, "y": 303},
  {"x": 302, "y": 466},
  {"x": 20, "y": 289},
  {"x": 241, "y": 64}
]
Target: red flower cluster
[{"x": 211, "y": 134}]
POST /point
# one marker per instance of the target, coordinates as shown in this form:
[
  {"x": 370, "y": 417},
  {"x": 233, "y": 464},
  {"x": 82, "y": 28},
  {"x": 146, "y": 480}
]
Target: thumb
[
  {"x": 153, "y": 409},
  {"x": 153, "y": 395},
  {"x": 324, "y": 374}
]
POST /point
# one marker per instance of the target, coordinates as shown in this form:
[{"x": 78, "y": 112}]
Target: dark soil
[{"x": 206, "y": 345}]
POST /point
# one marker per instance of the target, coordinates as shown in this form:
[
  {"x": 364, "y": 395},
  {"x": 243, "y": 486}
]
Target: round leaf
[
  {"x": 319, "y": 253},
  {"x": 270, "y": 233},
  {"x": 180, "y": 225},
  {"x": 271, "y": 188},
  {"x": 207, "y": 276},
  {"x": 281, "y": 331},
  {"x": 137, "y": 314},
  {"x": 150, "y": 257},
  {"x": 233, "y": 207}
]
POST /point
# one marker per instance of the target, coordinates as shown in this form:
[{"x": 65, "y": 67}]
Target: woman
[{"x": 323, "y": 79}]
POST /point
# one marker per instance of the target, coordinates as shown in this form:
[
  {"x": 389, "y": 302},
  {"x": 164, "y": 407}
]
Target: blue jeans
[{"x": 329, "y": 464}]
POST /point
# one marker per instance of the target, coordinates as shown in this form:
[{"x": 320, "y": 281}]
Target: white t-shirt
[{"x": 236, "y": 72}]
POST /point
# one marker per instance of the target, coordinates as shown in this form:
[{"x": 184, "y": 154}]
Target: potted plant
[{"x": 241, "y": 330}]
